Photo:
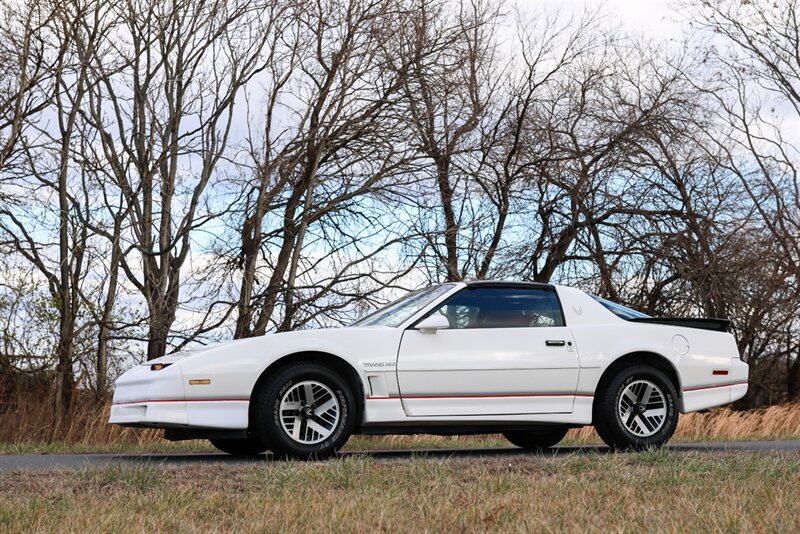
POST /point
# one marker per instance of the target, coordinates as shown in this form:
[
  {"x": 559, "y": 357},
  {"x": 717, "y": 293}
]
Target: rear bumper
[
  {"x": 733, "y": 389},
  {"x": 711, "y": 396}
]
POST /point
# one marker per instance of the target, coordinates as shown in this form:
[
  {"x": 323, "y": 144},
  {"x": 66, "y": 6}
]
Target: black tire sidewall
[
  {"x": 618, "y": 433},
  {"x": 268, "y": 424}
]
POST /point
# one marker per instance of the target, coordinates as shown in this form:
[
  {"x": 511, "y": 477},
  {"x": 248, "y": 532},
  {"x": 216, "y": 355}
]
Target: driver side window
[{"x": 502, "y": 307}]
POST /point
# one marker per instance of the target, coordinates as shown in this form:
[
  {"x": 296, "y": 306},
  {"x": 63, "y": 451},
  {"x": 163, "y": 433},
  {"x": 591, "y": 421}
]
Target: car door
[{"x": 506, "y": 351}]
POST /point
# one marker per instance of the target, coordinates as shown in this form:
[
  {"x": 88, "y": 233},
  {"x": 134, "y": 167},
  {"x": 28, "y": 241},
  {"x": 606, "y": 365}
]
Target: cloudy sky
[{"x": 654, "y": 16}]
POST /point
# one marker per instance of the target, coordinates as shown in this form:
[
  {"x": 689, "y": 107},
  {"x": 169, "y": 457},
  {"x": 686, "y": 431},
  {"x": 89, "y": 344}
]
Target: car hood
[
  {"x": 183, "y": 354},
  {"x": 317, "y": 339}
]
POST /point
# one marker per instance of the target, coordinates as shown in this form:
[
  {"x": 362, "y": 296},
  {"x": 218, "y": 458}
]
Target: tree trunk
[
  {"x": 792, "y": 370},
  {"x": 251, "y": 241},
  {"x": 157, "y": 335},
  {"x": 101, "y": 369},
  {"x": 162, "y": 316},
  {"x": 450, "y": 225},
  {"x": 64, "y": 377},
  {"x": 63, "y": 397},
  {"x": 496, "y": 236}
]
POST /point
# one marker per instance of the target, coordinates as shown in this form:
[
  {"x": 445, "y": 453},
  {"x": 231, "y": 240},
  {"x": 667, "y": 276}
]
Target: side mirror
[{"x": 433, "y": 324}]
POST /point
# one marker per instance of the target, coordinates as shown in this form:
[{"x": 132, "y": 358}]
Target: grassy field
[
  {"x": 662, "y": 491},
  {"x": 653, "y": 491}
]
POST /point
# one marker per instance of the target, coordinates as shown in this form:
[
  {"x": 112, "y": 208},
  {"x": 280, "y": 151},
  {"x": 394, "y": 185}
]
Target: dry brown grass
[
  {"x": 27, "y": 421},
  {"x": 659, "y": 491},
  {"x": 30, "y": 420}
]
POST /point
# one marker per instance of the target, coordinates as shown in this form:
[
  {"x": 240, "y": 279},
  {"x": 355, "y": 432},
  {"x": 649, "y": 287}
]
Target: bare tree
[
  {"x": 512, "y": 152},
  {"x": 49, "y": 170},
  {"x": 755, "y": 83},
  {"x": 585, "y": 131},
  {"x": 164, "y": 109},
  {"x": 453, "y": 72},
  {"x": 25, "y": 73},
  {"x": 309, "y": 173}
]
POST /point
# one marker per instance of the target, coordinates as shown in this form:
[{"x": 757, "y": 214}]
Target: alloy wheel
[
  {"x": 309, "y": 412},
  {"x": 642, "y": 408}
]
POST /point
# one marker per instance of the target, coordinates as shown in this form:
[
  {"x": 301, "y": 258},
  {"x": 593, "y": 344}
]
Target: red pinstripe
[
  {"x": 511, "y": 395},
  {"x": 183, "y": 400},
  {"x": 715, "y": 386}
]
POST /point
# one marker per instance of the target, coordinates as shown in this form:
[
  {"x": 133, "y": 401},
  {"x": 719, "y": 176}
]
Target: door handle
[{"x": 555, "y": 342}]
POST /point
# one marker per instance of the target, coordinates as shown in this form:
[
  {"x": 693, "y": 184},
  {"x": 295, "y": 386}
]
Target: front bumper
[
  {"x": 147, "y": 398},
  {"x": 150, "y": 398}
]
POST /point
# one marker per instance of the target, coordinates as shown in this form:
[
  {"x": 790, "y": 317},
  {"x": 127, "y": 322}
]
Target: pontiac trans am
[{"x": 527, "y": 360}]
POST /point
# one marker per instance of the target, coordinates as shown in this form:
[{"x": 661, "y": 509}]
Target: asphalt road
[{"x": 24, "y": 462}]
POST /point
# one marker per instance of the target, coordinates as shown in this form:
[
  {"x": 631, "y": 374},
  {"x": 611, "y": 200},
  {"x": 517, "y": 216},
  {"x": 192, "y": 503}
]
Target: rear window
[{"x": 623, "y": 312}]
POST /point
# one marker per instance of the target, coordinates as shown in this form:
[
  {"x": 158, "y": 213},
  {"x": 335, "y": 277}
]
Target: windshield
[
  {"x": 620, "y": 311},
  {"x": 404, "y": 308}
]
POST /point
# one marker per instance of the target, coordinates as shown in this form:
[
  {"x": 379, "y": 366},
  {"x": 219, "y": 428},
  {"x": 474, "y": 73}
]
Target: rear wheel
[
  {"x": 537, "y": 439},
  {"x": 637, "y": 410},
  {"x": 306, "y": 411},
  {"x": 240, "y": 447}
]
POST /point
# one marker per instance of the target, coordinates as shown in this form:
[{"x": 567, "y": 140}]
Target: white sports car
[{"x": 527, "y": 360}]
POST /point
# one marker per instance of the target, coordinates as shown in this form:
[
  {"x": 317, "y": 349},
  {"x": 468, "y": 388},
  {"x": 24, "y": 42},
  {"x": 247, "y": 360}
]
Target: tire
[
  {"x": 537, "y": 439},
  {"x": 294, "y": 427},
  {"x": 240, "y": 447},
  {"x": 621, "y": 408}
]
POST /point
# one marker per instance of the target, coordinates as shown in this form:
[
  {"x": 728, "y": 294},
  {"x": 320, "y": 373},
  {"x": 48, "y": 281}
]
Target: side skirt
[{"x": 455, "y": 429}]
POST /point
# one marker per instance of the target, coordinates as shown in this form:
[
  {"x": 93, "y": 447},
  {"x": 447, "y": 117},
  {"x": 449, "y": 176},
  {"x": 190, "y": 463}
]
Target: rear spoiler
[{"x": 717, "y": 325}]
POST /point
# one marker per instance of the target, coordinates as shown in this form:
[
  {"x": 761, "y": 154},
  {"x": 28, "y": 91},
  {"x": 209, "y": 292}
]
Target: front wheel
[
  {"x": 637, "y": 410},
  {"x": 306, "y": 411},
  {"x": 537, "y": 439},
  {"x": 240, "y": 447}
]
